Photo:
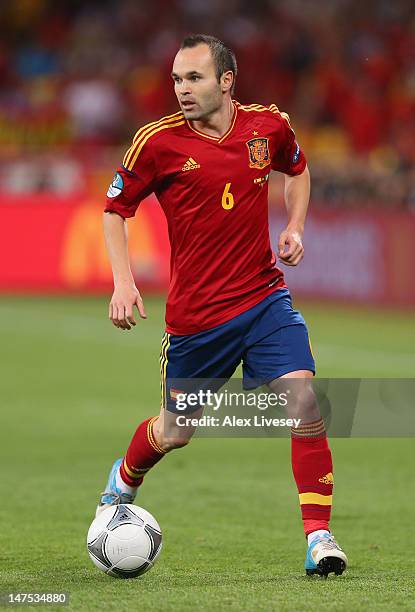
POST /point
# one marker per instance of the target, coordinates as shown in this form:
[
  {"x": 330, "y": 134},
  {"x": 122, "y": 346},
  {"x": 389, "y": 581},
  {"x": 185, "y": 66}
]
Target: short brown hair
[{"x": 223, "y": 58}]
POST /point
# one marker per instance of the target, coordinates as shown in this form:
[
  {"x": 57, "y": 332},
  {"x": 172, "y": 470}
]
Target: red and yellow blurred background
[{"x": 77, "y": 78}]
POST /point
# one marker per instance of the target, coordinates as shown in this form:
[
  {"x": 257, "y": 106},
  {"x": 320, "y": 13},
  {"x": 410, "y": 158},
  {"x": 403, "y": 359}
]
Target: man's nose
[{"x": 185, "y": 87}]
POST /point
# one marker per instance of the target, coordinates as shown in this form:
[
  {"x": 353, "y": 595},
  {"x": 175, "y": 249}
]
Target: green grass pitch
[{"x": 73, "y": 388}]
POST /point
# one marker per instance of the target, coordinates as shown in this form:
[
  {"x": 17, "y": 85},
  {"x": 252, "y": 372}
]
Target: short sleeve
[
  {"x": 133, "y": 181},
  {"x": 288, "y": 157}
]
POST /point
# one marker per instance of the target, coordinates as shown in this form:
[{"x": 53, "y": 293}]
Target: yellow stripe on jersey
[
  {"x": 260, "y": 108},
  {"x": 254, "y": 107},
  {"x": 215, "y": 138},
  {"x": 286, "y": 116},
  {"x": 147, "y": 127},
  {"x": 231, "y": 126},
  {"x": 143, "y": 139},
  {"x": 144, "y": 130},
  {"x": 274, "y": 108},
  {"x": 153, "y": 123},
  {"x": 247, "y": 106},
  {"x": 315, "y": 498}
]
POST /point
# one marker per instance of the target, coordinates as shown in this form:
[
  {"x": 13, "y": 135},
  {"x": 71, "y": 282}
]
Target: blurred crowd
[{"x": 77, "y": 77}]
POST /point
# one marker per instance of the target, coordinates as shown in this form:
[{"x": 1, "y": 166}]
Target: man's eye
[{"x": 195, "y": 78}]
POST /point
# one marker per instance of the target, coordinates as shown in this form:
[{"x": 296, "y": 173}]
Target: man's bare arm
[
  {"x": 126, "y": 294},
  {"x": 297, "y": 196}
]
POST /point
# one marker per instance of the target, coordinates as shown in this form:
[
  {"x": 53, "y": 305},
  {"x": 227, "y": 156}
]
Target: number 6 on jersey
[{"x": 227, "y": 198}]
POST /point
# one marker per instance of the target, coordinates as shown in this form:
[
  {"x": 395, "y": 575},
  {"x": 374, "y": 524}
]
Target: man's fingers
[
  {"x": 290, "y": 253},
  {"x": 297, "y": 250},
  {"x": 129, "y": 315},
  {"x": 113, "y": 314},
  {"x": 122, "y": 314},
  {"x": 294, "y": 248},
  {"x": 294, "y": 259},
  {"x": 121, "y": 309},
  {"x": 118, "y": 312},
  {"x": 140, "y": 307},
  {"x": 287, "y": 240},
  {"x": 122, "y": 322},
  {"x": 294, "y": 254},
  {"x": 281, "y": 243}
]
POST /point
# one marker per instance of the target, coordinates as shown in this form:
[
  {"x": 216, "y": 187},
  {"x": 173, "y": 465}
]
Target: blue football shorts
[{"x": 270, "y": 339}]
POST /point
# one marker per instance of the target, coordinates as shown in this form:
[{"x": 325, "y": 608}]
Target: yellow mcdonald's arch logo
[{"x": 84, "y": 258}]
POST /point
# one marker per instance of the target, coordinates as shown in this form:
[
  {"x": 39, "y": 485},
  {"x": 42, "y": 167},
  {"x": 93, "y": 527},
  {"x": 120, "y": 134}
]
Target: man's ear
[{"x": 226, "y": 81}]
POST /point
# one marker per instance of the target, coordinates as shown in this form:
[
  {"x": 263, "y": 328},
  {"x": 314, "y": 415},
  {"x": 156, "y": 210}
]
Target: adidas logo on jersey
[{"x": 191, "y": 164}]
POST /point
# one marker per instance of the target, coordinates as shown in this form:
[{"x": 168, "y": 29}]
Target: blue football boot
[
  {"x": 324, "y": 555},
  {"x": 112, "y": 496}
]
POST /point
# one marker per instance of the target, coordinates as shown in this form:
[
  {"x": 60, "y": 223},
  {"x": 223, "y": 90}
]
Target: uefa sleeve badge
[
  {"x": 116, "y": 186},
  {"x": 296, "y": 155}
]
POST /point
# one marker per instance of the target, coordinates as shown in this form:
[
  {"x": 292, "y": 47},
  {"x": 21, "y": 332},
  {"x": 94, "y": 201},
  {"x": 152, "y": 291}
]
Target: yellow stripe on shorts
[{"x": 165, "y": 343}]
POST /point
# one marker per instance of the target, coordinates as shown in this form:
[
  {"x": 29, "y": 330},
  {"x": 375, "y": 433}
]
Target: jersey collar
[{"x": 215, "y": 138}]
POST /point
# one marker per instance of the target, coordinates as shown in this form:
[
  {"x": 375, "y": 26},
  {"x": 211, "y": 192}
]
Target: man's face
[{"x": 195, "y": 83}]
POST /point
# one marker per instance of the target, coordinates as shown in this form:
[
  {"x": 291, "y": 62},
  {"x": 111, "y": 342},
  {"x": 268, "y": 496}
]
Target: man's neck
[{"x": 218, "y": 122}]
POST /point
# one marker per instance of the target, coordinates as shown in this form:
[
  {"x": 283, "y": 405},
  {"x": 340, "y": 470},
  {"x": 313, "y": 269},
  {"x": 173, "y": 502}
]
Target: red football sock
[
  {"x": 142, "y": 454},
  {"x": 313, "y": 472}
]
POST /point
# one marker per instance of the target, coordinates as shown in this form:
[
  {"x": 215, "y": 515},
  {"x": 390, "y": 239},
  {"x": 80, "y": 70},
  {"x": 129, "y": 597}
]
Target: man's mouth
[{"x": 188, "y": 104}]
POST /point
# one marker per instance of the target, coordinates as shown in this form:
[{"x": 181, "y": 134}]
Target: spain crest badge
[{"x": 258, "y": 152}]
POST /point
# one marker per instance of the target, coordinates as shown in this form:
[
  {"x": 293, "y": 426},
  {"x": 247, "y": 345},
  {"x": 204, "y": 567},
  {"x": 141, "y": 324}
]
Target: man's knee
[
  {"x": 172, "y": 442},
  {"x": 303, "y": 402},
  {"x": 169, "y": 434},
  {"x": 307, "y": 407}
]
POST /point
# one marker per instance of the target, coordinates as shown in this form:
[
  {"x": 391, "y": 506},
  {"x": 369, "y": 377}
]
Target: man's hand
[
  {"x": 295, "y": 251},
  {"x": 124, "y": 298}
]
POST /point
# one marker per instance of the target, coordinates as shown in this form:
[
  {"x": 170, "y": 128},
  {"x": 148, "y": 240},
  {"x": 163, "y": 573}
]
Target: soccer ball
[{"x": 124, "y": 541}]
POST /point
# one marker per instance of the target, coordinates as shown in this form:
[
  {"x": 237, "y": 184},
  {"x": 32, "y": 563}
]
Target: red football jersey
[{"x": 214, "y": 193}]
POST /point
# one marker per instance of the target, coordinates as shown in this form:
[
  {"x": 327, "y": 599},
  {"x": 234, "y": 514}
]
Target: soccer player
[{"x": 208, "y": 165}]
